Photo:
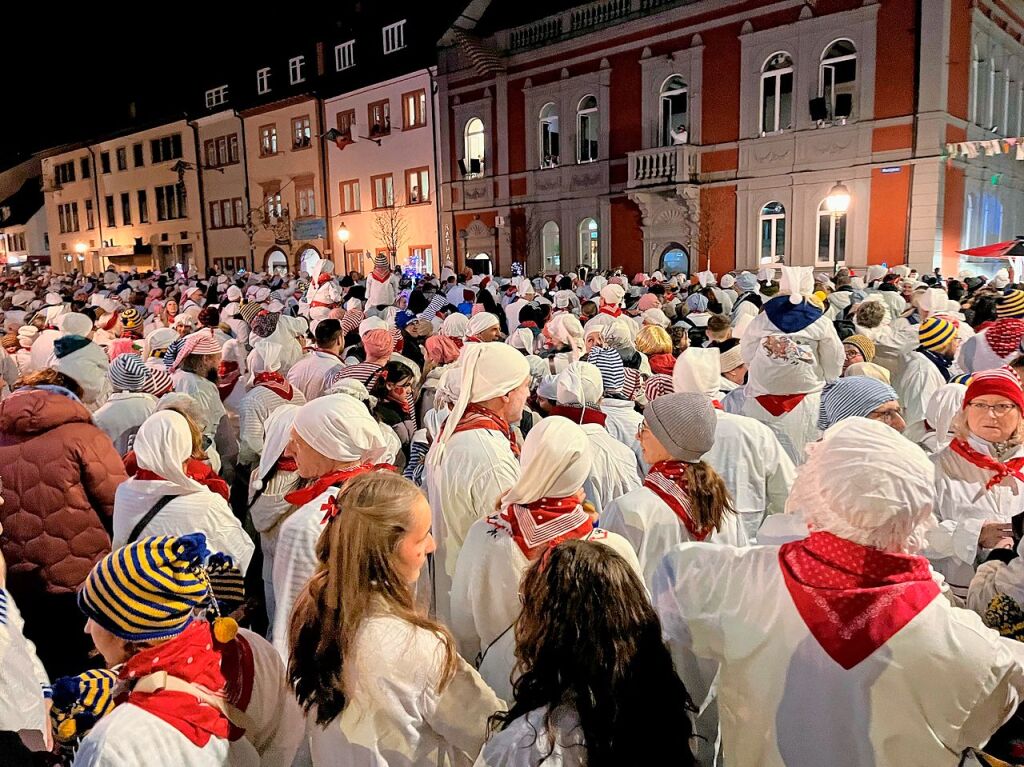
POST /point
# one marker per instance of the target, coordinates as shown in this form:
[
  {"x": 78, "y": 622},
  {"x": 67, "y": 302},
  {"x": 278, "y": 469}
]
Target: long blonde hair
[{"x": 357, "y": 567}]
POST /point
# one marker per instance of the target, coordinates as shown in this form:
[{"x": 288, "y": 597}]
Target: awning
[{"x": 997, "y": 249}]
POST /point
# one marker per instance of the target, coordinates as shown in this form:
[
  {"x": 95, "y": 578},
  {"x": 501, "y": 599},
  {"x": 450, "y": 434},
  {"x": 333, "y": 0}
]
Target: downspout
[
  {"x": 202, "y": 195},
  {"x": 435, "y": 166},
  {"x": 914, "y": 128}
]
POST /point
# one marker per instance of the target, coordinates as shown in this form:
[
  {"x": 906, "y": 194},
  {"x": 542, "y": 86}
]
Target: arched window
[
  {"x": 777, "y": 93},
  {"x": 837, "y": 78},
  {"x": 970, "y": 217},
  {"x": 586, "y": 129},
  {"x": 675, "y": 105},
  {"x": 991, "y": 219},
  {"x": 589, "y": 243},
  {"x": 549, "y": 143},
  {"x": 675, "y": 260},
  {"x": 773, "y": 232},
  {"x": 831, "y": 235},
  {"x": 551, "y": 247},
  {"x": 277, "y": 261},
  {"x": 307, "y": 258},
  {"x": 474, "y": 146}
]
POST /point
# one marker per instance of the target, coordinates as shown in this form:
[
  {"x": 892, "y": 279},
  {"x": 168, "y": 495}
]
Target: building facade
[
  {"x": 225, "y": 196},
  {"x": 677, "y": 135},
  {"x": 24, "y": 239}
]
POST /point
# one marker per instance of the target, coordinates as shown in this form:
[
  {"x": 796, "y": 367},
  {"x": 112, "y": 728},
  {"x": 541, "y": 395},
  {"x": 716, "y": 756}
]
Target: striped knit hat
[
  {"x": 1011, "y": 304},
  {"x": 864, "y": 344},
  {"x": 249, "y": 311},
  {"x": 609, "y": 362},
  {"x": 658, "y": 385},
  {"x": 963, "y": 379},
  {"x": 127, "y": 373},
  {"x": 1000, "y": 382},
  {"x": 850, "y": 397},
  {"x": 80, "y": 701},
  {"x": 148, "y": 589},
  {"x": 226, "y": 582},
  {"x": 157, "y": 382},
  {"x": 935, "y": 333},
  {"x": 199, "y": 343},
  {"x": 131, "y": 318}
]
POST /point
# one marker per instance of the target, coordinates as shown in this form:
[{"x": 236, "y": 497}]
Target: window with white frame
[
  {"x": 1004, "y": 121},
  {"x": 295, "y": 67},
  {"x": 216, "y": 96},
  {"x": 272, "y": 203},
  {"x": 551, "y": 247},
  {"x": 674, "y": 100},
  {"x": 263, "y": 80},
  {"x": 586, "y": 129},
  {"x": 975, "y": 86},
  {"x": 548, "y": 136},
  {"x": 1020, "y": 110},
  {"x": 970, "y": 216},
  {"x": 772, "y": 222},
  {"x": 394, "y": 36},
  {"x": 474, "y": 147},
  {"x": 991, "y": 219},
  {"x": 776, "y": 93},
  {"x": 990, "y": 96},
  {"x": 837, "y": 78},
  {"x": 302, "y": 135},
  {"x": 589, "y": 243},
  {"x": 831, "y": 235},
  {"x": 345, "y": 55}
]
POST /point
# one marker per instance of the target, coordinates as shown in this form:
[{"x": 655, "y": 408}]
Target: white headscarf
[
  {"x": 455, "y": 325},
  {"x": 567, "y": 331},
  {"x": 556, "y": 461},
  {"x": 162, "y": 445},
  {"x": 613, "y": 294},
  {"x": 522, "y": 339},
  {"x": 579, "y": 384},
  {"x": 277, "y": 432},
  {"x": 945, "y": 403},
  {"x": 697, "y": 370},
  {"x": 598, "y": 283},
  {"x": 797, "y": 281},
  {"x": 340, "y": 427},
  {"x": 74, "y": 324},
  {"x": 656, "y": 317},
  {"x": 480, "y": 322}
]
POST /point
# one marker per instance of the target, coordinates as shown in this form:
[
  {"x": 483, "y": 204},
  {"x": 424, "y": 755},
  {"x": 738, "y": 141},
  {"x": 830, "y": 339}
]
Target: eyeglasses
[
  {"x": 893, "y": 417},
  {"x": 851, "y": 353},
  {"x": 641, "y": 429},
  {"x": 997, "y": 410}
]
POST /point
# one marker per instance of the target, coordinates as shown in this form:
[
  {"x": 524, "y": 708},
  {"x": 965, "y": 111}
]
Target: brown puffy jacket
[{"x": 59, "y": 475}]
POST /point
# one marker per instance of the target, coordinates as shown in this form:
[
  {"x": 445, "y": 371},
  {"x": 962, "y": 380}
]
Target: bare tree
[
  {"x": 390, "y": 228},
  {"x": 708, "y": 230}
]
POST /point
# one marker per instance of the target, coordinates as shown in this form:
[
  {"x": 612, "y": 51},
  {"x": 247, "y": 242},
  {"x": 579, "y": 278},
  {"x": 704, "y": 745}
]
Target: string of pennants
[{"x": 986, "y": 148}]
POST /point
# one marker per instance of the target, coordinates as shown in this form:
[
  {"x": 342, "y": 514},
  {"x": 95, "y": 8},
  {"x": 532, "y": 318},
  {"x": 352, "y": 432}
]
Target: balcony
[{"x": 663, "y": 166}]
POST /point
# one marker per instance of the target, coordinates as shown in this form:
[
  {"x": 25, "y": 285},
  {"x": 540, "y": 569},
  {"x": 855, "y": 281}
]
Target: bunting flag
[{"x": 988, "y": 147}]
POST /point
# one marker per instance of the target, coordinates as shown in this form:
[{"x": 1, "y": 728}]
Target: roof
[{"x": 23, "y": 204}]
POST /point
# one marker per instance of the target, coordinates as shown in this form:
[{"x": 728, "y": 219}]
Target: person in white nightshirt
[
  {"x": 979, "y": 478},
  {"x": 925, "y": 371},
  {"x": 475, "y": 458},
  {"x": 382, "y": 683},
  {"x": 268, "y": 390},
  {"x": 162, "y": 448},
  {"x": 308, "y": 374},
  {"x": 614, "y": 471},
  {"x": 194, "y": 371},
  {"x": 333, "y": 439},
  {"x": 838, "y": 648},
  {"x": 135, "y": 391},
  {"x": 198, "y": 693},
  {"x": 545, "y": 506},
  {"x": 623, "y": 420},
  {"x": 637, "y": 710}
]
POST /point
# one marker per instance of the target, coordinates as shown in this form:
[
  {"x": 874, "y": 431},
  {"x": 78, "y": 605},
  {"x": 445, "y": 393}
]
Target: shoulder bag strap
[{"x": 141, "y": 525}]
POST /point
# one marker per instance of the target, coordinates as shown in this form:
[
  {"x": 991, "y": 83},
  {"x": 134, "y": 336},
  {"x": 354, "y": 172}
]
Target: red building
[{"x": 647, "y": 133}]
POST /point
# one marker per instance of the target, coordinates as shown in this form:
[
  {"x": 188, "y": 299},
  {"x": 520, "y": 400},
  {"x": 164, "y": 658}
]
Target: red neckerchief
[
  {"x": 193, "y": 657},
  {"x": 528, "y": 324},
  {"x": 335, "y": 479},
  {"x": 321, "y": 279},
  {"x": 853, "y": 598},
  {"x": 574, "y": 413},
  {"x": 473, "y": 340},
  {"x": 1004, "y": 336},
  {"x": 227, "y": 376},
  {"x": 547, "y": 522},
  {"x": 276, "y": 383},
  {"x": 717, "y": 405},
  {"x": 477, "y": 417},
  {"x": 1001, "y": 471},
  {"x": 613, "y": 311},
  {"x": 111, "y": 321},
  {"x": 194, "y": 469},
  {"x": 667, "y": 480},
  {"x": 779, "y": 404},
  {"x": 383, "y": 277},
  {"x": 662, "y": 363}
]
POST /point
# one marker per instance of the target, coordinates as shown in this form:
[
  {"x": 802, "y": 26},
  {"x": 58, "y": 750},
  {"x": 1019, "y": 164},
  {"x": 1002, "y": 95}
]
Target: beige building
[
  {"x": 225, "y": 201},
  {"x": 128, "y": 201},
  {"x": 382, "y": 174},
  {"x": 23, "y": 236},
  {"x": 286, "y": 183}
]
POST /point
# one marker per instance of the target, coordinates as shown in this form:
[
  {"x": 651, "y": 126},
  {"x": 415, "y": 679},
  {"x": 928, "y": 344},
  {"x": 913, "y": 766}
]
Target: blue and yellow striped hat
[
  {"x": 963, "y": 379},
  {"x": 935, "y": 333},
  {"x": 148, "y": 589},
  {"x": 1010, "y": 305},
  {"x": 80, "y": 701}
]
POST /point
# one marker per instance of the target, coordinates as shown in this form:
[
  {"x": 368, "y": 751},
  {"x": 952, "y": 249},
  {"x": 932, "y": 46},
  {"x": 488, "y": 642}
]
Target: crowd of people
[{"x": 581, "y": 519}]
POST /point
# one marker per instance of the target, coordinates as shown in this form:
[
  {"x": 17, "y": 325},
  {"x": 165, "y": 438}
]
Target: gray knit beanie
[{"x": 683, "y": 423}]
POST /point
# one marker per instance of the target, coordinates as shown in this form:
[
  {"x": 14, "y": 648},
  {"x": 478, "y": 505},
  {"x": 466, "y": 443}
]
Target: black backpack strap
[{"x": 141, "y": 525}]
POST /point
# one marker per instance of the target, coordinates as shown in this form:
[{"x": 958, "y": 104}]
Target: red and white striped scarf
[
  {"x": 667, "y": 480},
  {"x": 547, "y": 522}
]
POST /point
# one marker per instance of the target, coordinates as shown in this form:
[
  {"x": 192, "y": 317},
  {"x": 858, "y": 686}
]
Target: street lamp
[
  {"x": 838, "y": 200},
  {"x": 343, "y": 235}
]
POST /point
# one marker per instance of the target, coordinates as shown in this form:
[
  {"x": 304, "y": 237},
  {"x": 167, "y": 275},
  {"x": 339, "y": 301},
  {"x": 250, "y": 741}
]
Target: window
[
  {"x": 239, "y": 212},
  {"x": 166, "y": 148},
  {"x": 109, "y": 208},
  {"x": 474, "y": 146},
  {"x": 990, "y": 92},
  {"x": 991, "y": 219},
  {"x": 268, "y": 140},
  {"x": 301, "y": 135},
  {"x": 137, "y": 156},
  {"x": 222, "y": 150},
  {"x": 67, "y": 215},
  {"x": 226, "y": 213},
  {"x": 122, "y": 158},
  {"x": 216, "y": 96},
  {"x": 305, "y": 199},
  {"x": 674, "y": 127},
  {"x": 383, "y": 191},
  {"x": 170, "y": 202},
  {"x": 273, "y": 203},
  {"x": 105, "y": 162},
  {"x": 773, "y": 232},
  {"x": 346, "y": 119},
  {"x": 589, "y": 243},
  {"x": 126, "y": 209},
  {"x": 263, "y": 80},
  {"x": 348, "y": 193},
  {"x": 295, "y": 67},
  {"x": 379, "y": 118},
  {"x": 970, "y": 215},
  {"x": 419, "y": 258},
  {"x": 414, "y": 109},
  {"x": 586, "y": 129},
  {"x": 1020, "y": 110},
  {"x": 345, "y": 55},
  {"x": 215, "y": 219},
  {"x": 975, "y": 85},
  {"x": 210, "y": 152},
  {"x": 1004, "y": 122},
  {"x": 837, "y": 77},
  {"x": 549, "y": 144},
  {"x": 550, "y": 247},
  {"x": 233, "y": 148},
  {"x": 90, "y": 217},
  {"x": 65, "y": 172},
  {"x": 777, "y": 94},
  {"x": 394, "y": 37},
  {"x": 143, "y": 207},
  {"x": 86, "y": 168},
  {"x": 831, "y": 236},
  {"x": 417, "y": 186}
]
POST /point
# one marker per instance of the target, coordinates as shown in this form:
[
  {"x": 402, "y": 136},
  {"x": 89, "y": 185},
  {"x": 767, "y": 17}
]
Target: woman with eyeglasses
[{"x": 979, "y": 479}]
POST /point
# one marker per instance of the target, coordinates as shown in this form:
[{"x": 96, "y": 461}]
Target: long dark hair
[{"x": 589, "y": 639}]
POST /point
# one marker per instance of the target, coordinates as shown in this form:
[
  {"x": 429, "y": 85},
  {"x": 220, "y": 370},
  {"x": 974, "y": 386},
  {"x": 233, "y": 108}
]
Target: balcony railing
[{"x": 663, "y": 166}]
